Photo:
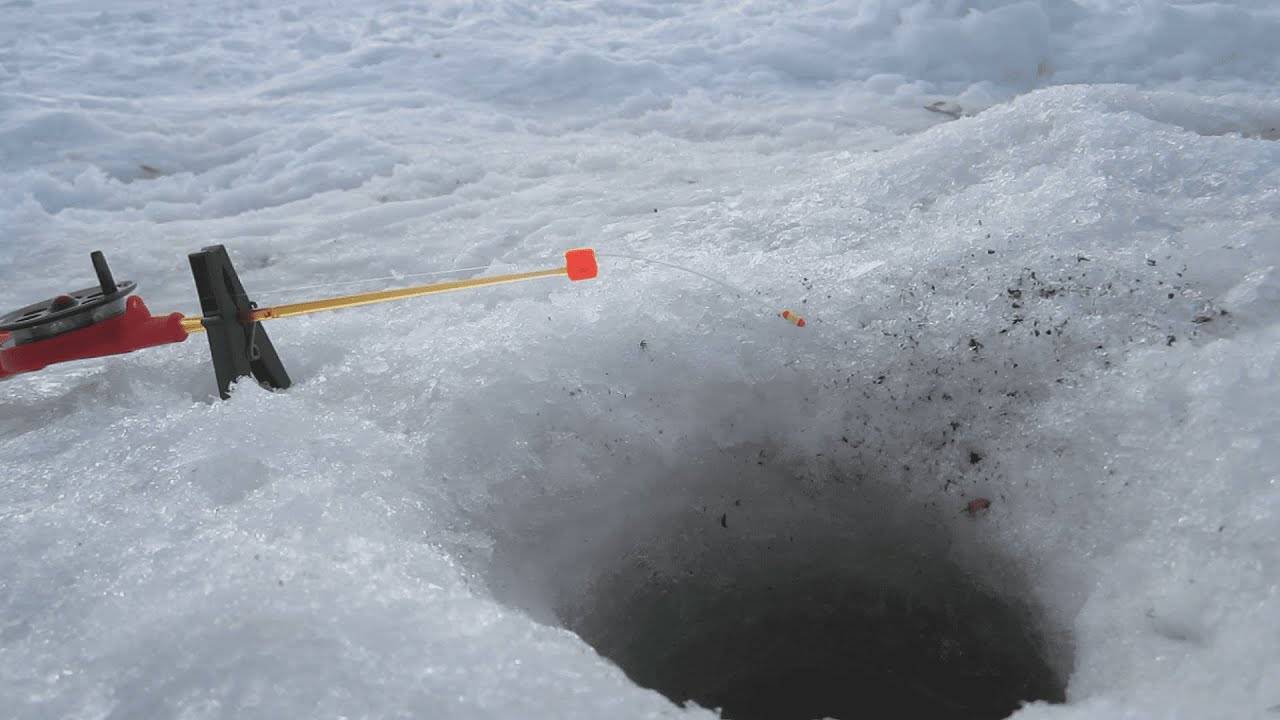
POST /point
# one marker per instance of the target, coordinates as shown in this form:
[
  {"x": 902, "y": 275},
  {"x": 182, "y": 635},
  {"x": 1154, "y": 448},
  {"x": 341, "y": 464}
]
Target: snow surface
[{"x": 1077, "y": 282}]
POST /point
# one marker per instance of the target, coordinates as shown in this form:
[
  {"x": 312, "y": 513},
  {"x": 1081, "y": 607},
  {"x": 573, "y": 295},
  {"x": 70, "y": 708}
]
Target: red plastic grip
[
  {"x": 580, "y": 264},
  {"x": 134, "y": 329}
]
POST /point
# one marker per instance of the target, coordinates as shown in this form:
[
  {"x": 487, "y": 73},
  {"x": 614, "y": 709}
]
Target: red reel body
[{"x": 134, "y": 329}]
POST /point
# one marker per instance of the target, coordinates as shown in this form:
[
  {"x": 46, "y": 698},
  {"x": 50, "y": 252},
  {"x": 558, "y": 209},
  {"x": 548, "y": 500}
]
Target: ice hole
[
  {"x": 785, "y": 608},
  {"x": 779, "y": 638}
]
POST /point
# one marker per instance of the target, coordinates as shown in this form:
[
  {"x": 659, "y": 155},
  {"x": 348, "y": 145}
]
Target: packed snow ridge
[{"x": 1021, "y": 461}]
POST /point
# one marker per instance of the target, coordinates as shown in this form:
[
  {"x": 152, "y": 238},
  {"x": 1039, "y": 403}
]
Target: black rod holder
[{"x": 239, "y": 345}]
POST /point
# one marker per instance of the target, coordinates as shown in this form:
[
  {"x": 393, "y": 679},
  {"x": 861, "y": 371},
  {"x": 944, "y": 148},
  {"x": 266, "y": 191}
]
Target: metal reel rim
[{"x": 41, "y": 313}]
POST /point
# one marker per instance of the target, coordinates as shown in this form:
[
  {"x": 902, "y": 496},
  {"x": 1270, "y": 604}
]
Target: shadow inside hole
[
  {"x": 784, "y": 592},
  {"x": 908, "y": 639}
]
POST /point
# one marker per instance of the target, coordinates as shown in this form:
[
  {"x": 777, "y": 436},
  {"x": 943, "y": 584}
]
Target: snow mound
[{"x": 1020, "y": 451}]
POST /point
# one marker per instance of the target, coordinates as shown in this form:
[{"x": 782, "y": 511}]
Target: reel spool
[{"x": 72, "y": 311}]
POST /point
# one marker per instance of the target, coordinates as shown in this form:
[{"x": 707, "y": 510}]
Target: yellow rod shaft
[{"x": 195, "y": 324}]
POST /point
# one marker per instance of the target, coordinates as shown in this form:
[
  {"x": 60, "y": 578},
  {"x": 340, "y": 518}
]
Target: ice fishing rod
[{"x": 104, "y": 320}]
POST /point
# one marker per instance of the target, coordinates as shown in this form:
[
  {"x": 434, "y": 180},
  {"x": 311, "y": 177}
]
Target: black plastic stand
[{"x": 239, "y": 346}]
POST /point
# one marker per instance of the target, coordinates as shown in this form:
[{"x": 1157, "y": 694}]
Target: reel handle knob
[{"x": 105, "y": 279}]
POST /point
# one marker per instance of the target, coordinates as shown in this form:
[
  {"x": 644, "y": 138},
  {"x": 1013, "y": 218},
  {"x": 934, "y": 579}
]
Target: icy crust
[
  {"x": 1068, "y": 304},
  {"x": 1196, "y": 584}
]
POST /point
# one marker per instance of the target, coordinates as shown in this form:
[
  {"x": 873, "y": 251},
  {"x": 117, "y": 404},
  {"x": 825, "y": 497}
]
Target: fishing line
[{"x": 785, "y": 314}]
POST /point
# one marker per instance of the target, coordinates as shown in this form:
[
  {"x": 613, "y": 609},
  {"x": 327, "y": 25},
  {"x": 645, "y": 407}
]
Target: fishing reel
[
  {"x": 73, "y": 311},
  {"x": 109, "y": 320}
]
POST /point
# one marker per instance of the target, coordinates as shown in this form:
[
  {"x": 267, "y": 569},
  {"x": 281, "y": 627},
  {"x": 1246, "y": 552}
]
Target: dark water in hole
[{"x": 881, "y": 640}]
